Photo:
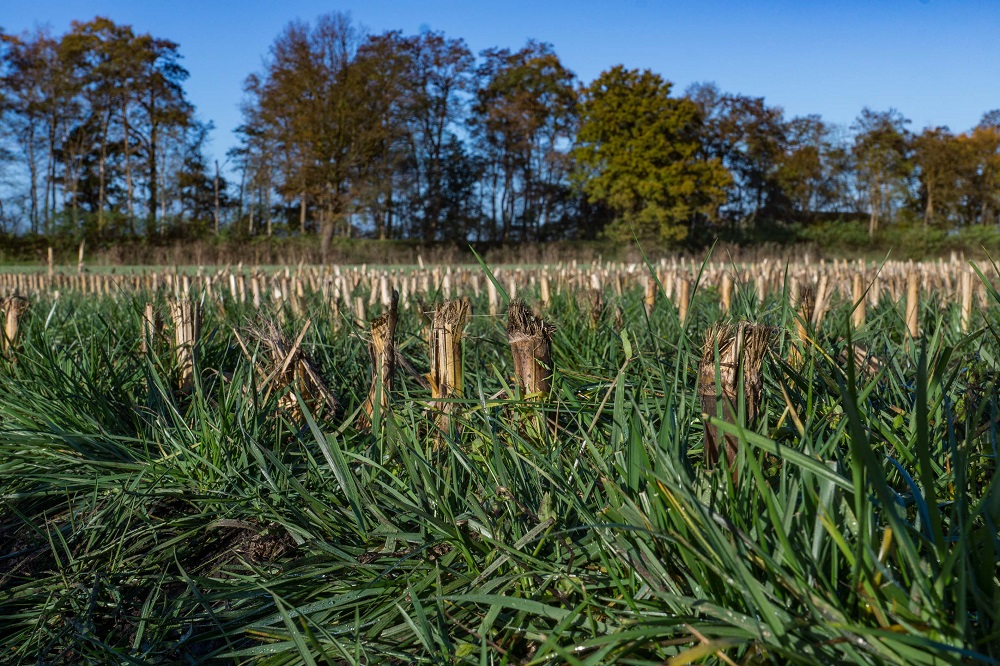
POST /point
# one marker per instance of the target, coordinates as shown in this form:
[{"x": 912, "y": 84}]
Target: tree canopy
[
  {"x": 390, "y": 136},
  {"x": 639, "y": 153}
]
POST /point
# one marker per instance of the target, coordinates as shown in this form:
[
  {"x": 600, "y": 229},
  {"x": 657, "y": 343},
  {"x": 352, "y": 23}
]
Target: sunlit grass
[{"x": 139, "y": 524}]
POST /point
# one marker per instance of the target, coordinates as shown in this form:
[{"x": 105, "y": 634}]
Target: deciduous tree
[
  {"x": 940, "y": 162},
  {"x": 638, "y": 152},
  {"x": 881, "y": 153},
  {"x": 307, "y": 106},
  {"x": 523, "y": 120}
]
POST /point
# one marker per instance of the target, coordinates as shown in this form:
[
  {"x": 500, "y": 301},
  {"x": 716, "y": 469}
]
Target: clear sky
[{"x": 937, "y": 62}]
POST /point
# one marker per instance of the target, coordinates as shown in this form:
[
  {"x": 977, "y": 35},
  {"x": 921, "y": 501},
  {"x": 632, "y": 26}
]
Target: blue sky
[{"x": 937, "y": 62}]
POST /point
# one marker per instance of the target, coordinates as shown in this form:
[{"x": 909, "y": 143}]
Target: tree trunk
[
  {"x": 875, "y": 203},
  {"x": 74, "y": 193},
  {"x": 327, "y": 221},
  {"x": 388, "y": 218},
  {"x": 129, "y": 190},
  {"x": 378, "y": 217},
  {"x": 51, "y": 228},
  {"x": 243, "y": 183},
  {"x": 163, "y": 197},
  {"x": 50, "y": 180},
  {"x": 507, "y": 207},
  {"x": 267, "y": 203},
  {"x": 153, "y": 167},
  {"x": 251, "y": 209},
  {"x": 215, "y": 184},
  {"x": 302, "y": 212},
  {"x": 33, "y": 178},
  {"x": 493, "y": 206},
  {"x": 101, "y": 168}
]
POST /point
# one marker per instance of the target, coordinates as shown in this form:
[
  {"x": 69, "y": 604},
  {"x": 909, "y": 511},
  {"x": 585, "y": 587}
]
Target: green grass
[{"x": 140, "y": 525}]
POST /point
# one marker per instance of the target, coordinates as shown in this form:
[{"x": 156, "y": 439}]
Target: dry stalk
[
  {"x": 12, "y": 308},
  {"x": 530, "y": 341},
  {"x": 866, "y": 363},
  {"x": 445, "y": 338},
  {"x": 359, "y": 310},
  {"x": 726, "y": 292},
  {"x": 152, "y": 328},
  {"x": 805, "y": 304},
  {"x": 492, "y": 296},
  {"x": 591, "y": 303},
  {"x": 912, "y": 305},
  {"x": 287, "y": 365},
  {"x": 186, "y": 316},
  {"x": 966, "y": 314},
  {"x": 544, "y": 286},
  {"x": 858, "y": 296},
  {"x": 683, "y": 299},
  {"x": 382, "y": 351},
  {"x": 649, "y": 298},
  {"x": 741, "y": 348},
  {"x": 822, "y": 301}
]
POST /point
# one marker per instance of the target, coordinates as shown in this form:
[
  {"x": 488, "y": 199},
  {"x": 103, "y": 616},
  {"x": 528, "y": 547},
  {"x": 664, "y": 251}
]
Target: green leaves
[
  {"x": 638, "y": 153},
  {"x": 626, "y": 345},
  {"x": 142, "y": 524}
]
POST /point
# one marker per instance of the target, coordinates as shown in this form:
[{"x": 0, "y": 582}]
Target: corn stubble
[
  {"x": 731, "y": 358},
  {"x": 284, "y": 367},
  {"x": 447, "y": 374},
  {"x": 530, "y": 340},
  {"x": 186, "y": 316},
  {"x": 12, "y": 309},
  {"x": 382, "y": 353},
  {"x": 591, "y": 304},
  {"x": 143, "y": 524}
]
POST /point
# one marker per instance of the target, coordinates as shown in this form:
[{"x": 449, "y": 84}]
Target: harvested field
[{"x": 680, "y": 463}]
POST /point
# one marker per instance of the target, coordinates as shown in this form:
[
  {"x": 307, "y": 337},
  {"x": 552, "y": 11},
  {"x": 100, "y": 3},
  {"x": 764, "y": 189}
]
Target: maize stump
[
  {"x": 447, "y": 324},
  {"x": 530, "y": 341},
  {"x": 740, "y": 348},
  {"x": 186, "y": 315},
  {"x": 382, "y": 351},
  {"x": 12, "y": 308}
]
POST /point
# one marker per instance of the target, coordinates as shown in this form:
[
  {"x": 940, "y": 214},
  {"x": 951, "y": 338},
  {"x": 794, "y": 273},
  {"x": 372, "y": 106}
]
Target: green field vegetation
[{"x": 142, "y": 524}]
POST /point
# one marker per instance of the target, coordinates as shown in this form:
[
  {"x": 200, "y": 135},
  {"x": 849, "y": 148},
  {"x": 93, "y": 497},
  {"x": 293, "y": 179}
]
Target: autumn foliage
[{"x": 347, "y": 134}]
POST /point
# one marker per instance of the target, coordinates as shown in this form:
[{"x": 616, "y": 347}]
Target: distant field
[{"x": 181, "y": 482}]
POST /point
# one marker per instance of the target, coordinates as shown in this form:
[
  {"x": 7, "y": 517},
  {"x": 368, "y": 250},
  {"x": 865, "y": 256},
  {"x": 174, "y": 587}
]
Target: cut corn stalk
[
  {"x": 12, "y": 308},
  {"x": 445, "y": 338},
  {"x": 530, "y": 341},
  {"x": 740, "y": 348},
  {"x": 382, "y": 352},
  {"x": 186, "y": 316}
]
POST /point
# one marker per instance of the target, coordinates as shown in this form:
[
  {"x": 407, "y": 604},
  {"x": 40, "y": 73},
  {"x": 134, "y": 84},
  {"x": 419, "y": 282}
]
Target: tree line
[
  {"x": 392, "y": 136},
  {"x": 98, "y": 138}
]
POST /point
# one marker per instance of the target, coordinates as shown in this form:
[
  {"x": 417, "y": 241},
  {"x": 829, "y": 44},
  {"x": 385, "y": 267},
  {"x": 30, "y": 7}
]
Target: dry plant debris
[
  {"x": 285, "y": 366},
  {"x": 530, "y": 340},
  {"x": 741, "y": 348}
]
